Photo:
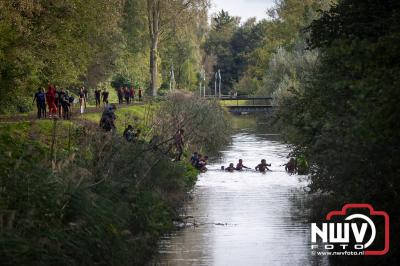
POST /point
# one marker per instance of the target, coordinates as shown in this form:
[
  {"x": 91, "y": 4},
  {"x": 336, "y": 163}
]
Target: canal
[{"x": 243, "y": 218}]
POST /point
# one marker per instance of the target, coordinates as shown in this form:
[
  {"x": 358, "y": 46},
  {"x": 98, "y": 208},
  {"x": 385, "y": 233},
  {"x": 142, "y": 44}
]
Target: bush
[
  {"x": 81, "y": 197},
  {"x": 204, "y": 121}
]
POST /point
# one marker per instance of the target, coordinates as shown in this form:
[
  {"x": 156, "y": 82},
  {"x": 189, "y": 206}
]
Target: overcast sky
[{"x": 243, "y": 8}]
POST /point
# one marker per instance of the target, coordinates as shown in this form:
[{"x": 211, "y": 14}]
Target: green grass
[
  {"x": 19, "y": 139},
  {"x": 65, "y": 215},
  {"x": 39, "y": 130},
  {"x": 138, "y": 116}
]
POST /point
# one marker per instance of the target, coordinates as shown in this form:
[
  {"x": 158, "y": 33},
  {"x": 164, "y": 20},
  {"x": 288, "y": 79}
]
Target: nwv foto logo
[{"x": 352, "y": 230}]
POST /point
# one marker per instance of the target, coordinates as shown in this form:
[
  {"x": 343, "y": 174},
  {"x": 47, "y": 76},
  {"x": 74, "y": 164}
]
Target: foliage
[
  {"x": 39, "y": 43},
  {"x": 132, "y": 63},
  {"x": 218, "y": 44},
  {"x": 75, "y": 196},
  {"x": 204, "y": 121},
  {"x": 89, "y": 42},
  {"x": 120, "y": 81},
  {"x": 139, "y": 116},
  {"x": 288, "y": 71},
  {"x": 163, "y": 18},
  {"x": 244, "y": 52},
  {"x": 345, "y": 120}
]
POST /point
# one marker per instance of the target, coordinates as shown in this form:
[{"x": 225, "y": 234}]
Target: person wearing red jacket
[{"x": 51, "y": 101}]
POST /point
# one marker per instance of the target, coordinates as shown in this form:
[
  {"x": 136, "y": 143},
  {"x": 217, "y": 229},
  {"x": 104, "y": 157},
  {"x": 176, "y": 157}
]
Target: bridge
[{"x": 247, "y": 104}]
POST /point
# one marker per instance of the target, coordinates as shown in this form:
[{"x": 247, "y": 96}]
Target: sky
[{"x": 243, "y": 8}]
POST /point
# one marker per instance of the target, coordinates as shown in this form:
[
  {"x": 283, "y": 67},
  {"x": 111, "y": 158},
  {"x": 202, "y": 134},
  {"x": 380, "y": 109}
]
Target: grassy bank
[
  {"x": 139, "y": 116},
  {"x": 71, "y": 195}
]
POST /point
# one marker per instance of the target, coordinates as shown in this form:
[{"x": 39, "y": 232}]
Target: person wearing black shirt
[
  {"x": 97, "y": 93},
  {"x": 105, "y": 94}
]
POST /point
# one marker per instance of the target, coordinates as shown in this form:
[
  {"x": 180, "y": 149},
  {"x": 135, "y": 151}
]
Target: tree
[
  {"x": 57, "y": 41},
  {"x": 132, "y": 63},
  {"x": 204, "y": 121},
  {"x": 346, "y": 119},
  {"x": 160, "y": 15},
  {"x": 218, "y": 44},
  {"x": 245, "y": 41},
  {"x": 182, "y": 50}
]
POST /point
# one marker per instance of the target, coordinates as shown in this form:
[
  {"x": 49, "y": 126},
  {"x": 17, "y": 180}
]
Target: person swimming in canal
[
  {"x": 291, "y": 166},
  {"x": 202, "y": 163},
  {"x": 240, "y": 166},
  {"x": 263, "y": 166},
  {"x": 230, "y": 168}
]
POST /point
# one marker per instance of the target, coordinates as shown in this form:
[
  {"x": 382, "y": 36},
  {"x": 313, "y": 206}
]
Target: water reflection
[{"x": 243, "y": 218}]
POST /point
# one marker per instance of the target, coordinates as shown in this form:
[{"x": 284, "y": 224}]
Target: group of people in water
[
  {"x": 200, "y": 163},
  {"x": 290, "y": 167},
  {"x": 59, "y": 103},
  {"x": 197, "y": 160},
  {"x": 261, "y": 167}
]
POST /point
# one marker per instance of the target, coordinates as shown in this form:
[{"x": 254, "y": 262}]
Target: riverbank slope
[{"x": 72, "y": 195}]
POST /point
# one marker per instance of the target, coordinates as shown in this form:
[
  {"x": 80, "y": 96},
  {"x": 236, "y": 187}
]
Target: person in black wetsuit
[
  {"x": 291, "y": 166},
  {"x": 129, "y": 133},
  {"x": 230, "y": 168},
  {"x": 240, "y": 166},
  {"x": 202, "y": 163},
  {"x": 263, "y": 166},
  {"x": 194, "y": 159},
  {"x": 108, "y": 118}
]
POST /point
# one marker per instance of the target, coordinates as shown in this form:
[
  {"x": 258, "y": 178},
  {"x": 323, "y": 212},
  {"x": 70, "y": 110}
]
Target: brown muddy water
[{"x": 243, "y": 218}]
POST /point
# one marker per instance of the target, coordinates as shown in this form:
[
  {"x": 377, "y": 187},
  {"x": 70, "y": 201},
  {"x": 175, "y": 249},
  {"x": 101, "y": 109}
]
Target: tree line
[
  {"x": 245, "y": 51},
  {"x": 333, "y": 69},
  {"x": 92, "y": 42}
]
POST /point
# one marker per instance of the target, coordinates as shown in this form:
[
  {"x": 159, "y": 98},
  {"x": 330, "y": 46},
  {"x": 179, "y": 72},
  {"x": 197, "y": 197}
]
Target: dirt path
[{"x": 75, "y": 114}]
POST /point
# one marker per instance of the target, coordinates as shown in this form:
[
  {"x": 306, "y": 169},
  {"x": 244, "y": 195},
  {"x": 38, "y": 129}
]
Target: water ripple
[{"x": 242, "y": 218}]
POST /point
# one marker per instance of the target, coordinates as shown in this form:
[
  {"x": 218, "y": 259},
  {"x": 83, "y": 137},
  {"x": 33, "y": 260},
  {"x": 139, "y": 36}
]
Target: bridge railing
[{"x": 244, "y": 100}]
